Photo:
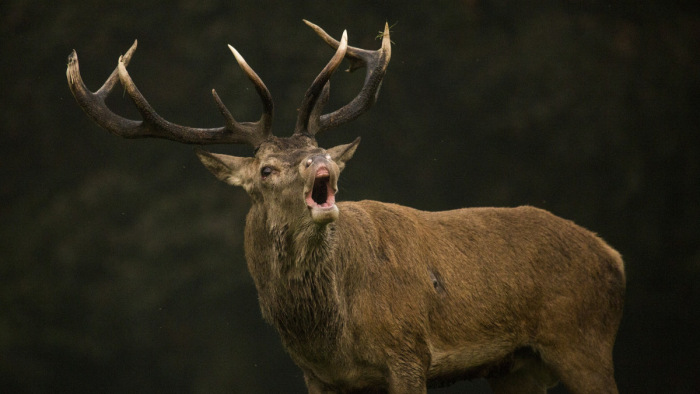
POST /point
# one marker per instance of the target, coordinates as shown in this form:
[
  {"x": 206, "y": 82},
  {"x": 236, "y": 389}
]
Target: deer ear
[
  {"x": 230, "y": 169},
  {"x": 342, "y": 153}
]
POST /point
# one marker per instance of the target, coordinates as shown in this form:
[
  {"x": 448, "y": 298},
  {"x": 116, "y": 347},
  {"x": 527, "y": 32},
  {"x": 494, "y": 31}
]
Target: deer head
[{"x": 289, "y": 175}]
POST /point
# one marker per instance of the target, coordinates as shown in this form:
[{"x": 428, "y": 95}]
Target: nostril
[{"x": 320, "y": 158}]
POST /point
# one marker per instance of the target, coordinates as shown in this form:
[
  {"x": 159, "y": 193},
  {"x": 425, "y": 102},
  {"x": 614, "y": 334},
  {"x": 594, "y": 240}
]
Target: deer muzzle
[{"x": 320, "y": 190}]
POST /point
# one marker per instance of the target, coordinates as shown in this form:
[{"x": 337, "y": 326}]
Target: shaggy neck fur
[{"x": 294, "y": 271}]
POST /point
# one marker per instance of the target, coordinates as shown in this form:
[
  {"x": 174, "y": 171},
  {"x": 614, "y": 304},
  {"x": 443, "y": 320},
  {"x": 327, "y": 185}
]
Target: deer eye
[{"x": 266, "y": 171}]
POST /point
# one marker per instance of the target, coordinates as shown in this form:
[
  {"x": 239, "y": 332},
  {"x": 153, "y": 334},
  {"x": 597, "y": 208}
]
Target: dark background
[{"x": 121, "y": 261}]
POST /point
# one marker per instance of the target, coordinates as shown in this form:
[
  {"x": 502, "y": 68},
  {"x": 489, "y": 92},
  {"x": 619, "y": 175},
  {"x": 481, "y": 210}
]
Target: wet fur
[{"x": 389, "y": 297}]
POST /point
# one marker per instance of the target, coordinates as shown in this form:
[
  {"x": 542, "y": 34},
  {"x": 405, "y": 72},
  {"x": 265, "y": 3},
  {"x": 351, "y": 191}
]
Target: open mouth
[{"x": 321, "y": 194}]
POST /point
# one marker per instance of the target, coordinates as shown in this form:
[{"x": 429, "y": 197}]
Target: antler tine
[
  {"x": 376, "y": 63},
  {"x": 308, "y": 105},
  {"x": 114, "y": 77},
  {"x": 260, "y": 130},
  {"x": 153, "y": 125},
  {"x": 315, "y": 115}
]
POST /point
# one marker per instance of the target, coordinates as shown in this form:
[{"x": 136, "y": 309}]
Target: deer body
[
  {"x": 375, "y": 297},
  {"x": 452, "y": 291}
]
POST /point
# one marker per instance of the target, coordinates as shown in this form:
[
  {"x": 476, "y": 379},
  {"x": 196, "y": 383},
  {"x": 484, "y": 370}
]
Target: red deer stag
[{"x": 376, "y": 297}]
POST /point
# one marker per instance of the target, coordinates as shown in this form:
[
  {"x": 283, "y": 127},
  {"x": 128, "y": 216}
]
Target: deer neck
[
  {"x": 298, "y": 245},
  {"x": 295, "y": 273}
]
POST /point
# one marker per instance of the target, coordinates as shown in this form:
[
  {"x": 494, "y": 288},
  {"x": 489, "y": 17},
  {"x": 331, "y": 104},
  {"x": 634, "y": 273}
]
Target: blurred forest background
[{"x": 121, "y": 261}]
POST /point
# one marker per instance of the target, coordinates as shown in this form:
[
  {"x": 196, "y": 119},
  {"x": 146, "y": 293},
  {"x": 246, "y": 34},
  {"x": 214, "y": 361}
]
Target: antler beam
[
  {"x": 310, "y": 121},
  {"x": 153, "y": 125},
  {"x": 376, "y": 63}
]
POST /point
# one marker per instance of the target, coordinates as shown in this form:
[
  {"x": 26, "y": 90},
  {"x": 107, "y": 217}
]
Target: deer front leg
[
  {"x": 407, "y": 380},
  {"x": 407, "y": 373}
]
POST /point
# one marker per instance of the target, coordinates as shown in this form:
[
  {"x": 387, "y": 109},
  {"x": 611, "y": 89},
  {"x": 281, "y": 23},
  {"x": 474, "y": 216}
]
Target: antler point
[
  {"x": 310, "y": 24},
  {"x": 72, "y": 58},
  {"x": 238, "y": 56}
]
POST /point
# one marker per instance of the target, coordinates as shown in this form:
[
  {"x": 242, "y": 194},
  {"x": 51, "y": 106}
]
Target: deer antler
[
  {"x": 318, "y": 92},
  {"x": 376, "y": 63},
  {"x": 153, "y": 125}
]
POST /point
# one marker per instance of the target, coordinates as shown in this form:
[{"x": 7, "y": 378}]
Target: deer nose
[{"x": 317, "y": 158}]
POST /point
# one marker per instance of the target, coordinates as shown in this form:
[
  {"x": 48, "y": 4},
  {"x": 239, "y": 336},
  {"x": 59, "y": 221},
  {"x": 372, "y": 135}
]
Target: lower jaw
[{"x": 324, "y": 215}]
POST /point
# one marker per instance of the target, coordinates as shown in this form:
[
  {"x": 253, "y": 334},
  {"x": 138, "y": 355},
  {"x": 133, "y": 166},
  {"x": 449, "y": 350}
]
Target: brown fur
[{"x": 387, "y": 298}]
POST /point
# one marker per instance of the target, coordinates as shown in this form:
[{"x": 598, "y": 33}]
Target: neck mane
[{"x": 294, "y": 268}]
